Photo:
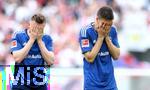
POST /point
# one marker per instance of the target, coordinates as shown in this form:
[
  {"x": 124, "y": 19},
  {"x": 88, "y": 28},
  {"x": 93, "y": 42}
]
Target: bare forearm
[
  {"x": 114, "y": 51},
  {"x": 47, "y": 55},
  {"x": 21, "y": 54},
  {"x": 90, "y": 56}
]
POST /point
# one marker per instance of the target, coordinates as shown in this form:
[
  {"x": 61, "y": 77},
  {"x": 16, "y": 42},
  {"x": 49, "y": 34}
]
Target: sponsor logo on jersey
[
  {"x": 13, "y": 43},
  {"x": 34, "y": 56},
  {"x": 85, "y": 43},
  {"x": 103, "y": 53}
]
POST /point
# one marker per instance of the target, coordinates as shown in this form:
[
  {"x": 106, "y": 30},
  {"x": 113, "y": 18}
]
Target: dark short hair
[
  {"x": 105, "y": 12},
  {"x": 39, "y": 18}
]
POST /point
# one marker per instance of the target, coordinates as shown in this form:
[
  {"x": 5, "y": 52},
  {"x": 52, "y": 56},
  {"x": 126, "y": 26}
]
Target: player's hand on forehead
[
  {"x": 40, "y": 28},
  {"x": 102, "y": 25},
  {"x": 37, "y": 28},
  {"x": 34, "y": 28},
  {"x": 106, "y": 25}
]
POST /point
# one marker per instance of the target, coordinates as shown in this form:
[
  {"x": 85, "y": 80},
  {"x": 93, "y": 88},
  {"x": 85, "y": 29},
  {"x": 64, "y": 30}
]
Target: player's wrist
[
  {"x": 31, "y": 40},
  {"x": 106, "y": 35},
  {"x": 39, "y": 39},
  {"x": 101, "y": 36},
  {"x": 107, "y": 38}
]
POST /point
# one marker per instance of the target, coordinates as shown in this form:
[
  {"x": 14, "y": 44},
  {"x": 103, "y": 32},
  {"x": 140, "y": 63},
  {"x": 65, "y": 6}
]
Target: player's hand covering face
[
  {"x": 104, "y": 26},
  {"x": 36, "y": 30},
  {"x": 32, "y": 31},
  {"x": 40, "y": 29}
]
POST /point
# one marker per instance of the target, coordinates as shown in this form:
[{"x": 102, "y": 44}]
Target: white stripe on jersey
[
  {"x": 82, "y": 32},
  {"x": 84, "y": 29},
  {"x": 16, "y": 32}
]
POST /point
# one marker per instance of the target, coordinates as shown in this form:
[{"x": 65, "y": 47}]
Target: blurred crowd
[{"x": 64, "y": 21}]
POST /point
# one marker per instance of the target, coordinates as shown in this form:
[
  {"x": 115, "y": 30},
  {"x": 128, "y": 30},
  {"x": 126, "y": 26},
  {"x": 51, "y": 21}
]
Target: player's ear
[
  {"x": 29, "y": 26},
  {"x": 97, "y": 18}
]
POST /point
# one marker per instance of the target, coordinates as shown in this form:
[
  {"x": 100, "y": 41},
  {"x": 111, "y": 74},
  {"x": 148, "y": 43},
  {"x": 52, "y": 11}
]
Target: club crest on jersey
[
  {"x": 13, "y": 43},
  {"x": 85, "y": 43}
]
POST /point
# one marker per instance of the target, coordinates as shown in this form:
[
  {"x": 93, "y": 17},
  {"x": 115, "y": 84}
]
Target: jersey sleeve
[
  {"x": 49, "y": 43},
  {"x": 15, "y": 43},
  {"x": 115, "y": 38},
  {"x": 84, "y": 40}
]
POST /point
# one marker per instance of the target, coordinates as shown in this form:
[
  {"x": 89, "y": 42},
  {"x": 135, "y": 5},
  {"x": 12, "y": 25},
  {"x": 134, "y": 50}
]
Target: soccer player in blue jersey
[
  {"x": 31, "y": 50},
  {"x": 99, "y": 45}
]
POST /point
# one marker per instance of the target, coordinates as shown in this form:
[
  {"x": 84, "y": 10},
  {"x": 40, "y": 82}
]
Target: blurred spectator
[{"x": 117, "y": 12}]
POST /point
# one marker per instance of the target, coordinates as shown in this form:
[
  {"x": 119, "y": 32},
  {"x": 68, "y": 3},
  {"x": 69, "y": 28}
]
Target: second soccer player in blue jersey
[
  {"x": 99, "y": 45},
  {"x": 32, "y": 50}
]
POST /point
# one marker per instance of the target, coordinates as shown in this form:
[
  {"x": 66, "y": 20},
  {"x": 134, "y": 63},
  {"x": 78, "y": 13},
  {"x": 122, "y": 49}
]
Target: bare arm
[
  {"x": 47, "y": 55},
  {"x": 90, "y": 56},
  {"x": 19, "y": 55},
  {"x": 114, "y": 51}
]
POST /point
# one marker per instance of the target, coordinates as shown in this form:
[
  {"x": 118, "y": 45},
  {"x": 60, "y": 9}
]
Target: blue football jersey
[
  {"x": 98, "y": 75},
  {"x": 32, "y": 61},
  {"x": 34, "y": 56}
]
